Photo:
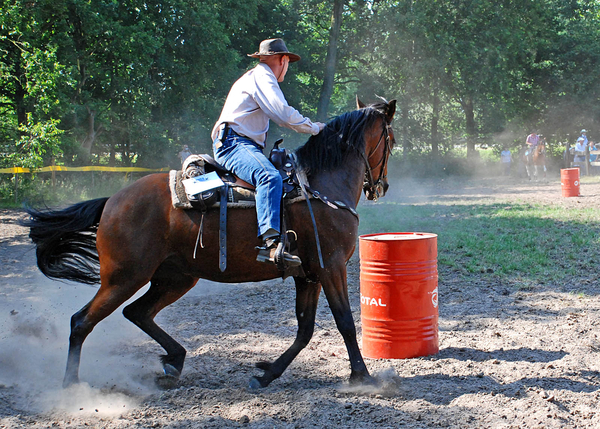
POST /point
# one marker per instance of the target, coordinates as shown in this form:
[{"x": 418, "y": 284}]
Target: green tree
[{"x": 31, "y": 76}]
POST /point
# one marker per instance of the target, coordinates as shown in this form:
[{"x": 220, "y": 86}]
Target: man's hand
[{"x": 321, "y": 125}]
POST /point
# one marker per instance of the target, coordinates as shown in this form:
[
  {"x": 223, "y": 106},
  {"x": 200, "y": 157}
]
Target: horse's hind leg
[
  {"x": 165, "y": 289},
  {"x": 307, "y": 297},
  {"x": 108, "y": 298}
]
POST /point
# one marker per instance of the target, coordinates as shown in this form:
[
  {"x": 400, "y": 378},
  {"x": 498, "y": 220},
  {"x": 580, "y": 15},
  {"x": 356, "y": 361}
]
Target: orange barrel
[
  {"x": 399, "y": 294},
  {"x": 569, "y": 182}
]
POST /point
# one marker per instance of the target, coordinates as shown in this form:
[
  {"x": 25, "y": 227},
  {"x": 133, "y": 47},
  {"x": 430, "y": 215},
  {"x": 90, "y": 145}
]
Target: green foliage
[
  {"x": 39, "y": 142},
  {"x": 130, "y": 81}
]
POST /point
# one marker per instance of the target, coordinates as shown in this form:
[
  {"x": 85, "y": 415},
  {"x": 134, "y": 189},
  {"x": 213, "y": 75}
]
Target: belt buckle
[
  {"x": 222, "y": 129},
  {"x": 221, "y": 135}
]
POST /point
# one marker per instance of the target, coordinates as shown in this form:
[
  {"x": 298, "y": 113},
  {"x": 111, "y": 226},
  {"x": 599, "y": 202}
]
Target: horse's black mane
[{"x": 343, "y": 135}]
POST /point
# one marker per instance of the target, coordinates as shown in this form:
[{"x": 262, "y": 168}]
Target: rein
[{"x": 376, "y": 186}]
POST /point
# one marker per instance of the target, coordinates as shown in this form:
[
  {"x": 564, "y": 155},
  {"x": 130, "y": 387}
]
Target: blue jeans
[{"x": 244, "y": 158}]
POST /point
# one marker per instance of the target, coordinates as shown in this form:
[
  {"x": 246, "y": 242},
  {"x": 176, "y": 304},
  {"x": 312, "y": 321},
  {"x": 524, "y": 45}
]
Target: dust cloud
[
  {"x": 387, "y": 384},
  {"x": 34, "y": 332},
  {"x": 117, "y": 370}
]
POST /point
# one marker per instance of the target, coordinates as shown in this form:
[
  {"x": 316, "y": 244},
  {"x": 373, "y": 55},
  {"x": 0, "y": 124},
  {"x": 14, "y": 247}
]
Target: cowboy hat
[{"x": 274, "y": 47}]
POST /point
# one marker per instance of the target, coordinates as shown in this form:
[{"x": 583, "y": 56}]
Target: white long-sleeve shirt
[
  {"x": 580, "y": 146},
  {"x": 254, "y": 99}
]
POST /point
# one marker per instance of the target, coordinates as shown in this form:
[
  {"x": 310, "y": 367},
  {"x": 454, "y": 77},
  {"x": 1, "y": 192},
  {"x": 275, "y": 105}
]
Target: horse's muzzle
[{"x": 373, "y": 193}]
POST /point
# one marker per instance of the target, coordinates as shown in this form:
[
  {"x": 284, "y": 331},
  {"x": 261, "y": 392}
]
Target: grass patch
[{"x": 531, "y": 243}]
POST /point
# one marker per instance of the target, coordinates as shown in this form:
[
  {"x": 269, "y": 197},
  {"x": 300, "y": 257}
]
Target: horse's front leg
[
  {"x": 307, "y": 297},
  {"x": 335, "y": 286}
]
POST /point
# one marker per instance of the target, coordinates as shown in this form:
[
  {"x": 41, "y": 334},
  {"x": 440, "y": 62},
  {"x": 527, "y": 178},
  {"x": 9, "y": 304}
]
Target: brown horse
[
  {"x": 136, "y": 237},
  {"x": 535, "y": 161}
]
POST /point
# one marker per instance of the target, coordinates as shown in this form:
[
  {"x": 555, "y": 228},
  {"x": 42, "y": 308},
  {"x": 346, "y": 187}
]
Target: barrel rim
[{"x": 403, "y": 236}]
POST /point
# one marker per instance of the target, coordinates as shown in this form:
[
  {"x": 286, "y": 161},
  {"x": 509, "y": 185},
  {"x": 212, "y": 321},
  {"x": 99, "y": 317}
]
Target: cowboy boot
[{"x": 274, "y": 253}]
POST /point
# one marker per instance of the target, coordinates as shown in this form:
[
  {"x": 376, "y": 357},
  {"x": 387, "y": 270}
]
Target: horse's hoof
[
  {"x": 169, "y": 379},
  {"x": 371, "y": 381},
  {"x": 68, "y": 382},
  {"x": 254, "y": 384},
  {"x": 363, "y": 379},
  {"x": 171, "y": 371},
  {"x": 166, "y": 382}
]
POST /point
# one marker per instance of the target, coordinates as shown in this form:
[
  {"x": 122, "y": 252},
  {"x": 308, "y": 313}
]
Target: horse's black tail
[{"x": 66, "y": 241}]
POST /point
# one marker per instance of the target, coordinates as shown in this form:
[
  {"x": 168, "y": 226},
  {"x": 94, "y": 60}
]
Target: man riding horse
[
  {"x": 240, "y": 132},
  {"x": 532, "y": 142},
  {"x": 534, "y": 156}
]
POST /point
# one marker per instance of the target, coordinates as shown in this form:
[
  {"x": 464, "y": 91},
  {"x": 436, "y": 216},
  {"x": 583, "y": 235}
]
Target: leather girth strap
[{"x": 223, "y": 229}]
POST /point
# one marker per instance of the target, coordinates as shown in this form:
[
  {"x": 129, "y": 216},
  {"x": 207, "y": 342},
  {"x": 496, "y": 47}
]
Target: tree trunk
[
  {"x": 92, "y": 133},
  {"x": 435, "y": 117},
  {"x": 405, "y": 141},
  {"x": 330, "y": 61},
  {"x": 467, "y": 105},
  {"x": 77, "y": 33},
  {"x": 112, "y": 154},
  {"x": 19, "y": 93}
]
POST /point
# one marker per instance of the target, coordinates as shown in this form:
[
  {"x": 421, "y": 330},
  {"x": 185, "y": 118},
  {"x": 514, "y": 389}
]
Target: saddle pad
[
  {"x": 179, "y": 198},
  {"x": 236, "y": 196}
]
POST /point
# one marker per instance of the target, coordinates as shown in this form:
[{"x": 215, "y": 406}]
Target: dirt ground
[{"x": 509, "y": 357}]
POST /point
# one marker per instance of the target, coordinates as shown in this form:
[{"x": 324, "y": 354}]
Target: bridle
[
  {"x": 539, "y": 150},
  {"x": 376, "y": 187}
]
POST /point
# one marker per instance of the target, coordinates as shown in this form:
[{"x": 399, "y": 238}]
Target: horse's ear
[
  {"x": 360, "y": 104},
  {"x": 391, "y": 109}
]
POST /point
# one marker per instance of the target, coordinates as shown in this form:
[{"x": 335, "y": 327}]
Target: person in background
[
  {"x": 531, "y": 141},
  {"x": 579, "y": 160},
  {"x": 185, "y": 152},
  {"x": 593, "y": 157},
  {"x": 592, "y": 147},
  {"x": 506, "y": 159},
  {"x": 568, "y": 155},
  {"x": 584, "y": 137}
]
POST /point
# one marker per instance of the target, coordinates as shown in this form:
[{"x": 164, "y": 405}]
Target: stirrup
[{"x": 276, "y": 254}]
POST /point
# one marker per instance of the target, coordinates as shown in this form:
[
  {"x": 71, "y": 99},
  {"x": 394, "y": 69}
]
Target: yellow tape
[
  {"x": 15, "y": 170},
  {"x": 18, "y": 170}
]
